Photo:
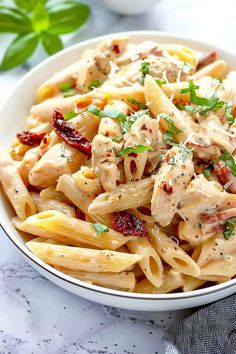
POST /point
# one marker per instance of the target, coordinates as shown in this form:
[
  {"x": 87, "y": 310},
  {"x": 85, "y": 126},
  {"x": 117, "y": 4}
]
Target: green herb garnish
[
  {"x": 69, "y": 115},
  {"x": 144, "y": 70},
  {"x": 100, "y": 228},
  {"x": 229, "y": 229},
  {"x": 134, "y": 101},
  {"x": 171, "y": 130},
  {"x": 94, "y": 84},
  {"x": 204, "y": 104},
  {"x": 67, "y": 89},
  {"x": 117, "y": 140},
  {"x": 228, "y": 112},
  {"x": 35, "y": 21},
  {"x": 229, "y": 160},
  {"x": 134, "y": 149},
  {"x": 160, "y": 81}
]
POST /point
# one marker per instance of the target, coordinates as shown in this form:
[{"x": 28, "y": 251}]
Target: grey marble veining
[{"x": 35, "y": 315}]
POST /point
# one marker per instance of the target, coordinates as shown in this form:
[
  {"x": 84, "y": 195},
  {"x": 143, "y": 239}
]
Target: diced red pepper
[
  {"x": 167, "y": 188},
  {"x": 30, "y": 138},
  {"x": 128, "y": 224},
  {"x": 70, "y": 135}
]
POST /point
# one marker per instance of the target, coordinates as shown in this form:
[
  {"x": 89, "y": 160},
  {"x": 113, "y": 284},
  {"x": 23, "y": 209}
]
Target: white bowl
[
  {"x": 13, "y": 114},
  {"x": 127, "y": 7}
]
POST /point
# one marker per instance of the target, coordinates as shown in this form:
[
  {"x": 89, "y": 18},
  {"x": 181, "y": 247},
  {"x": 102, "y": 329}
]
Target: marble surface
[{"x": 35, "y": 315}]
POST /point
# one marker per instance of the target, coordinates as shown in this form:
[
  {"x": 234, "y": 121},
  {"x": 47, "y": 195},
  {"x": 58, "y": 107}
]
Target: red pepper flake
[
  {"x": 144, "y": 127},
  {"x": 206, "y": 59},
  {"x": 133, "y": 167},
  {"x": 128, "y": 224},
  {"x": 167, "y": 188},
  {"x": 70, "y": 135},
  {"x": 133, "y": 154},
  {"x": 30, "y": 138},
  {"x": 116, "y": 49}
]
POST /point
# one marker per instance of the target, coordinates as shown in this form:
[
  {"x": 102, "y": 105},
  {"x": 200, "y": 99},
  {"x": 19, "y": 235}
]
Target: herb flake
[
  {"x": 144, "y": 70},
  {"x": 139, "y": 104},
  {"x": 95, "y": 84},
  {"x": 134, "y": 149},
  {"x": 229, "y": 160},
  {"x": 100, "y": 228},
  {"x": 229, "y": 229}
]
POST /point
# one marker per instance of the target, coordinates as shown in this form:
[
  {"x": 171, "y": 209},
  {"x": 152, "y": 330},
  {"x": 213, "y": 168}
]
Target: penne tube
[
  {"x": 191, "y": 283},
  {"x": 158, "y": 103},
  {"x": 52, "y": 193},
  {"x": 215, "y": 69},
  {"x": 172, "y": 281},
  {"x": 171, "y": 253},
  {"x": 42, "y": 233},
  {"x": 173, "y": 91},
  {"x": 84, "y": 259},
  {"x": 67, "y": 185},
  {"x": 30, "y": 158},
  {"x": 52, "y": 204},
  {"x": 77, "y": 230},
  {"x": 14, "y": 187},
  {"x": 120, "y": 199},
  {"x": 124, "y": 93},
  {"x": 124, "y": 281},
  {"x": 150, "y": 262}
]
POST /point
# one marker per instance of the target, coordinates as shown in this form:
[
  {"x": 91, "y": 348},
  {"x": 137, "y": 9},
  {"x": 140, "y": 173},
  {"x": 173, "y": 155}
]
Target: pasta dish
[{"x": 125, "y": 176}]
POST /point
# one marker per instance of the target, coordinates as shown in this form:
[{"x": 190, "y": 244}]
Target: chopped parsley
[
  {"x": 67, "y": 88},
  {"x": 228, "y": 112},
  {"x": 69, "y": 115},
  {"x": 134, "y": 101},
  {"x": 100, "y": 228},
  {"x": 144, "y": 70},
  {"x": 203, "y": 104},
  {"x": 95, "y": 84},
  {"x": 134, "y": 149},
  {"x": 63, "y": 154},
  {"x": 171, "y": 130},
  {"x": 229, "y": 229},
  {"x": 160, "y": 81},
  {"x": 229, "y": 160}
]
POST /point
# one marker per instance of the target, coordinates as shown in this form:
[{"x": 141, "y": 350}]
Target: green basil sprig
[{"x": 37, "y": 21}]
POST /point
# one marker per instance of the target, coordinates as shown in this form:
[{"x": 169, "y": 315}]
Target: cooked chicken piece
[
  {"x": 203, "y": 208},
  {"x": 105, "y": 161},
  {"x": 170, "y": 183},
  {"x": 143, "y": 132},
  {"x": 58, "y": 160}
]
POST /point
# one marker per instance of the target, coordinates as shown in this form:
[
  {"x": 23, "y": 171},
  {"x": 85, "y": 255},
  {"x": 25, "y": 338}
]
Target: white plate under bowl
[{"x": 13, "y": 114}]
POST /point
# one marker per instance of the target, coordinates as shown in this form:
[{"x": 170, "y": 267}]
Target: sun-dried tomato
[
  {"x": 30, "y": 138},
  {"x": 70, "y": 135},
  {"x": 206, "y": 59},
  {"x": 128, "y": 224},
  {"x": 116, "y": 49},
  {"x": 79, "y": 214}
]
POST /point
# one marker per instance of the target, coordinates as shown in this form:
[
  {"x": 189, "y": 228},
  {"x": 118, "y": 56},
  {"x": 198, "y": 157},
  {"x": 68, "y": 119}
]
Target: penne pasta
[
  {"x": 150, "y": 262},
  {"x": 84, "y": 259},
  {"x": 124, "y": 281},
  {"x": 77, "y": 230},
  {"x": 52, "y": 204}
]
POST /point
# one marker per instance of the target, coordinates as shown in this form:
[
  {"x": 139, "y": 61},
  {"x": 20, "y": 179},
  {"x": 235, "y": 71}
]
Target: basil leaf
[
  {"x": 13, "y": 21},
  {"x": 229, "y": 160},
  {"x": 69, "y": 115},
  {"x": 134, "y": 149},
  {"x": 111, "y": 113},
  {"x": 28, "y": 5},
  {"x": 134, "y": 101},
  {"x": 100, "y": 228},
  {"x": 51, "y": 42},
  {"x": 117, "y": 140},
  {"x": 228, "y": 112},
  {"x": 20, "y": 50},
  {"x": 160, "y": 81},
  {"x": 144, "y": 70},
  {"x": 171, "y": 130},
  {"x": 94, "y": 109},
  {"x": 229, "y": 229},
  {"x": 65, "y": 86},
  {"x": 94, "y": 84},
  {"x": 187, "y": 89},
  {"x": 40, "y": 19},
  {"x": 67, "y": 17}
]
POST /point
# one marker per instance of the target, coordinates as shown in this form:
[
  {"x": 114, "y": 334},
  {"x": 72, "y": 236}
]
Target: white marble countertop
[{"x": 35, "y": 315}]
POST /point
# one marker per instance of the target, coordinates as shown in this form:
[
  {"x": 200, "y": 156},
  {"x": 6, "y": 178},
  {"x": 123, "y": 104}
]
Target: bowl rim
[{"x": 76, "y": 282}]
